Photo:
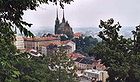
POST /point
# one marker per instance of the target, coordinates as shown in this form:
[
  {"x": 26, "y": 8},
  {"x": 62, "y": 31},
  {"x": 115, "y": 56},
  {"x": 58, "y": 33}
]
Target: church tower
[
  {"x": 63, "y": 19},
  {"x": 63, "y": 27},
  {"x": 56, "y": 22}
]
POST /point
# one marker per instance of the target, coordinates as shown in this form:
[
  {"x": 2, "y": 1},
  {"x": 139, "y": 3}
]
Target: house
[
  {"x": 96, "y": 75},
  {"x": 77, "y": 35},
  {"x": 100, "y": 67},
  {"x": 70, "y": 43},
  {"x": 85, "y": 63},
  {"x": 89, "y": 63},
  {"x": 19, "y": 43},
  {"x": 49, "y": 49},
  {"x": 53, "y": 47},
  {"x": 37, "y": 42},
  {"x": 77, "y": 62},
  {"x": 23, "y": 43},
  {"x": 74, "y": 55}
]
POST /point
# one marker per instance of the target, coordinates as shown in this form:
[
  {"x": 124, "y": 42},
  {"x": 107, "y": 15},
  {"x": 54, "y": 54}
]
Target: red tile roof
[
  {"x": 78, "y": 34},
  {"x": 40, "y": 38},
  {"x": 19, "y": 38},
  {"x": 65, "y": 42},
  {"x": 58, "y": 43},
  {"x": 75, "y": 55}
]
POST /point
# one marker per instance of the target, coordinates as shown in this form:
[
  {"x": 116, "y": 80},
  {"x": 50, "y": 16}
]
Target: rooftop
[
  {"x": 93, "y": 71},
  {"x": 58, "y": 43},
  {"x": 40, "y": 38},
  {"x": 75, "y": 55},
  {"x": 78, "y": 59},
  {"x": 86, "y": 61}
]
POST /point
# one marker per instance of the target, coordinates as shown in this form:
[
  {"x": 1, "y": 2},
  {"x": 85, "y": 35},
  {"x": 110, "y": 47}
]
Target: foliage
[
  {"x": 89, "y": 44},
  {"x": 64, "y": 38},
  {"x": 7, "y": 51},
  {"x": 62, "y": 67},
  {"x": 85, "y": 44},
  {"x": 118, "y": 53},
  {"x": 55, "y": 67}
]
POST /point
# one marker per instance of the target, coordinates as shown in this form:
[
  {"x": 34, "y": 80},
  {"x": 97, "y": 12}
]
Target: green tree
[
  {"x": 136, "y": 38},
  {"x": 89, "y": 40},
  {"x": 89, "y": 44},
  {"x": 118, "y": 53},
  {"x": 62, "y": 67},
  {"x": 64, "y": 38},
  {"x": 85, "y": 44},
  {"x": 55, "y": 67}
]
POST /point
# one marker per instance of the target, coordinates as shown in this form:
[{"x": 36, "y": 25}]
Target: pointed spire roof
[
  {"x": 63, "y": 19},
  {"x": 57, "y": 14}
]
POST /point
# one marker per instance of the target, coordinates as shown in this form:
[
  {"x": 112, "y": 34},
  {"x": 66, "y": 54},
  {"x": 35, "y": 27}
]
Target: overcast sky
[{"x": 87, "y": 13}]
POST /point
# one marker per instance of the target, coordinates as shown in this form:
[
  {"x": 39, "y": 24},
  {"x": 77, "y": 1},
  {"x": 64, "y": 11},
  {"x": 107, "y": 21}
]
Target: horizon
[{"x": 126, "y": 32}]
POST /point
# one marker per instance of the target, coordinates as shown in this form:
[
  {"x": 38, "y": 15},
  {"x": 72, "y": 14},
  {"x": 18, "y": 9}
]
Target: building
[
  {"x": 85, "y": 63},
  {"x": 19, "y": 43},
  {"x": 78, "y": 35},
  {"x": 37, "y": 42},
  {"x": 74, "y": 55},
  {"x": 53, "y": 47},
  {"x": 63, "y": 27},
  {"x": 25, "y": 43},
  {"x": 96, "y": 75},
  {"x": 70, "y": 43},
  {"x": 49, "y": 49}
]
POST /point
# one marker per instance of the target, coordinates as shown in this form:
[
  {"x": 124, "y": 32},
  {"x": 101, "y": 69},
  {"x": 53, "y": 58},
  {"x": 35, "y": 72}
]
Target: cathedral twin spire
[
  {"x": 57, "y": 15},
  {"x": 63, "y": 19},
  {"x": 63, "y": 27},
  {"x": 57, "y": 22}
]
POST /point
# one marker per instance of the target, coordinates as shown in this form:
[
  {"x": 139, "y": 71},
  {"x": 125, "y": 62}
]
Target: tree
[
  {"x": 136, "y": 38},
  {"x": 11, "y": 12},
  {"x": 64, "y": 38},
  {"x": 85, "y": 44},
  {"x": 118, "y": 53},
  {"x": 62, "y": 67},
  {"x": 89, "y": 44},
  {"x": 89, "y": 40}
]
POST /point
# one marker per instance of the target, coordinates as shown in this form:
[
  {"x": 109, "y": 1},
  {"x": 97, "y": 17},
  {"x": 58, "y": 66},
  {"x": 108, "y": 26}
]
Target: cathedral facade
[{"x": 63, "y": 27}]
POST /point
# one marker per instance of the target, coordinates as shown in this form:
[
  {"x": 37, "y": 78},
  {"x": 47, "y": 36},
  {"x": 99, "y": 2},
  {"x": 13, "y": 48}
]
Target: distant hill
[
  {"x": 41, "y": 30},
  {"x": 126, "y": 31}
]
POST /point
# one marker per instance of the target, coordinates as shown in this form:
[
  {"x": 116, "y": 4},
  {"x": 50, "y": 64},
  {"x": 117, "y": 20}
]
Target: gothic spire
[
  {"x": 56, "y": 22},
  {"x": 57, "y": 14},
  {"x": 63, "y": 20}
]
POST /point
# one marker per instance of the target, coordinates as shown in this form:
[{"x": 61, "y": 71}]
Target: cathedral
[{"x": 63, "y": 27}]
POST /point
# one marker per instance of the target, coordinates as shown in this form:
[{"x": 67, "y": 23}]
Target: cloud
[{"x": 83, "y": 13}]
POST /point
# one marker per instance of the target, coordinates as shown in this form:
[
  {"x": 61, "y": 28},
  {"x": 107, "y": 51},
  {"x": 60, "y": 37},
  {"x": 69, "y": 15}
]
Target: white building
[
  {"x": 19, "y": 43},
  {"x": 72, "y": 44},
  {"x": 85, "y": 63},
  {"x": 96, "y": 75}
]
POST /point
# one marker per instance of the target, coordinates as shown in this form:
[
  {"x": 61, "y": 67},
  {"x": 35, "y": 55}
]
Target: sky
[{"x": 87, "y": 13}]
